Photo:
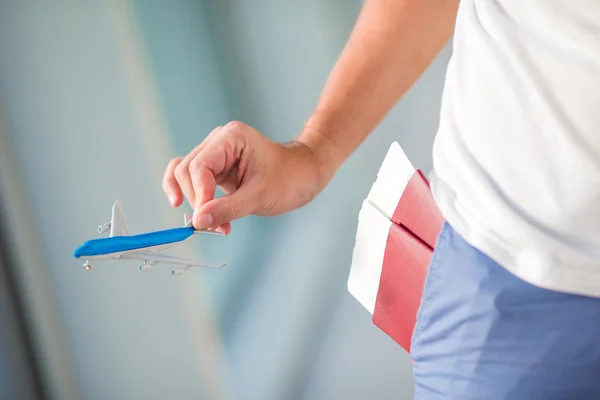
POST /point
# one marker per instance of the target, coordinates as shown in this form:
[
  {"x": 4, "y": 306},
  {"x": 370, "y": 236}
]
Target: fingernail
[
  {"x": 171, "y": 199},
  {"x": 205, "y": 221}
]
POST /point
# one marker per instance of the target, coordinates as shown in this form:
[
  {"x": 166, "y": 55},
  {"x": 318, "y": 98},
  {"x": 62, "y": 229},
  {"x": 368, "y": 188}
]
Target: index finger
[{"x": 204, "y": 182}]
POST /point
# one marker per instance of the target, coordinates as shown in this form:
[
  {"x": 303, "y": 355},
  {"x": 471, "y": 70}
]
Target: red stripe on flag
[
  {"x": 400, "y": 290},
  {"x": 417, "y": 223},
  {"x": 417, "y": 210}
]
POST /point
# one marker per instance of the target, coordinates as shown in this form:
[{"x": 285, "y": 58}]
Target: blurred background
[{"x": 95, "y": 98}]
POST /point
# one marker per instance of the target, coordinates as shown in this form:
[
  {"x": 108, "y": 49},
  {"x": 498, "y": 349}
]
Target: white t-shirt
[{"x": 517, "y": 155}]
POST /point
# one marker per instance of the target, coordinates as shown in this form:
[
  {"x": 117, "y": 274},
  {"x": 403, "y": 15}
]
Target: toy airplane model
[{"x": 144, "y": 247}]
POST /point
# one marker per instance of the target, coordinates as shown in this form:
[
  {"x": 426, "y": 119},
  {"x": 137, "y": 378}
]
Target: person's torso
[{"x": 517, "y": 155}]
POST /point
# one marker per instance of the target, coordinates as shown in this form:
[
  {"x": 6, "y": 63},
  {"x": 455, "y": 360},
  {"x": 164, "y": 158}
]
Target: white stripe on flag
[{"x": 374, "y": 222}]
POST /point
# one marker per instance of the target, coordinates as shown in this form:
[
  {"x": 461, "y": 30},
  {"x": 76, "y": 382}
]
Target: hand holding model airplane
[{"x": 145, "y": 247}]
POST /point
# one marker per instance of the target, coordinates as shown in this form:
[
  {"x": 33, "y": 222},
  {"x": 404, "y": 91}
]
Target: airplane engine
[
  {"x": 104, "y": 227},
  {"x": 178, "y": 271},
  {"x": 145, "y": 267}
]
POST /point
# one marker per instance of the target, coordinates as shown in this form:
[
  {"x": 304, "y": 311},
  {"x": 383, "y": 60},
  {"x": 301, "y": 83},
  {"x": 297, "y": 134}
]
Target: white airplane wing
[
  {"x": 163, "y": 258},
  {"x": 118, "y": 225}
]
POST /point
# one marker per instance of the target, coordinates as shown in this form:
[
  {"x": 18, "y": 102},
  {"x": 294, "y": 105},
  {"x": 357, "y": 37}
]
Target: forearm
[{"x": 392, "y": 44}]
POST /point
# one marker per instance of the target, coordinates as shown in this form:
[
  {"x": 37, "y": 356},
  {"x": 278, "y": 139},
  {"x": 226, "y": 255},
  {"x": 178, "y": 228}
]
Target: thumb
[{"x": 225, "y": 209}]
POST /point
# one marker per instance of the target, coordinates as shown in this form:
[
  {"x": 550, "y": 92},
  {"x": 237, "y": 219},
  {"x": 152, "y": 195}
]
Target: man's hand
[{"x": 258, "y": 176}]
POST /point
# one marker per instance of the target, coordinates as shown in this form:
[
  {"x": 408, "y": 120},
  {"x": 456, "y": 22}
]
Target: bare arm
[{"x": 392, "y": 44}]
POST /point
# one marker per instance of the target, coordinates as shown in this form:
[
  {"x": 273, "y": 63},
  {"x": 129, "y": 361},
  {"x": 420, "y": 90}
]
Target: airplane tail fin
[
  {"x": 187, "y": 220},
  {"x": 118, "y": 225}
]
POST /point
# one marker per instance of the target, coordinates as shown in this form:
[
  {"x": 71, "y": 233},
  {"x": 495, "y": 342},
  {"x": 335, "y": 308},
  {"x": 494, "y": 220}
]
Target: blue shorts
[{"x": 482, "y": 333}]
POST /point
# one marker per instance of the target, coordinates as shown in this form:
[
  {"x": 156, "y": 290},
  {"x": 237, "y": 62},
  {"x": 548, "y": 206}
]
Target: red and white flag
[{"x": 398, "y": 226}]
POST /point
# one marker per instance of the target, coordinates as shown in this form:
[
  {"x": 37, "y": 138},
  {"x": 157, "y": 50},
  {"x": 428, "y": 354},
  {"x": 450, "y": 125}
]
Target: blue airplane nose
[{"x": 77, "y": 252}]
